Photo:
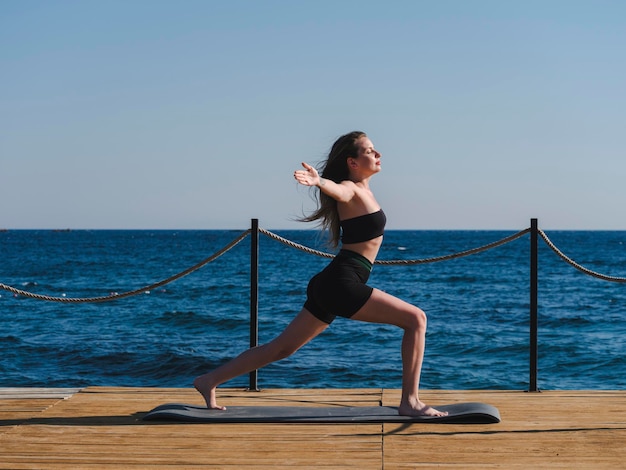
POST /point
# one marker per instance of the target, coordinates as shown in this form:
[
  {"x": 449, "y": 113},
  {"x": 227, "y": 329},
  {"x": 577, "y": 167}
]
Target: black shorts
[{"x": 340, "y": 288}]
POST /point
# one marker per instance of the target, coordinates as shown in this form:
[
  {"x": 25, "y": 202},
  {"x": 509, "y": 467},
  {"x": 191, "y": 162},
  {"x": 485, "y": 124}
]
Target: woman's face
[{"x": 368, "y": 157}]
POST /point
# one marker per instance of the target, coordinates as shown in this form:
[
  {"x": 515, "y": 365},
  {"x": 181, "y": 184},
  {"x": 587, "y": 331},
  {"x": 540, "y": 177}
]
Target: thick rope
[
  {"x": 295, "y": 245},
  {"x": 156, "y": 285},
  {"x": 460, "y": 254},
  {"x": 576, "y": 265},
  {"x": 403, "y": 261}
]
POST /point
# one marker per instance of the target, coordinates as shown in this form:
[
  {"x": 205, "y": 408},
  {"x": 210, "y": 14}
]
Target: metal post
[
  {"x": 254, "y": 297},
  {"x": 532, "y": 387}
]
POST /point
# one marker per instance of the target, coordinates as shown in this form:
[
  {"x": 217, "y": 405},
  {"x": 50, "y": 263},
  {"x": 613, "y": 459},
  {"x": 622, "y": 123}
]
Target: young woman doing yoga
[{"x": 349, "y": 211}]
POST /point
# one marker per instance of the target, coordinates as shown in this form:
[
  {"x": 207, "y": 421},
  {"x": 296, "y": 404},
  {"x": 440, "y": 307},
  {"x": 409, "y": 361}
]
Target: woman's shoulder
[{"x": 362, "y": 202}]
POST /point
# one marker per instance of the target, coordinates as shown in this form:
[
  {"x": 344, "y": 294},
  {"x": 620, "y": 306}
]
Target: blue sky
[{"x": 194, "y": 114}]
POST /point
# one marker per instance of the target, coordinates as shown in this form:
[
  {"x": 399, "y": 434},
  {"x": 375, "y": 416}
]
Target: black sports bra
[{"x": 363, "y": 228}]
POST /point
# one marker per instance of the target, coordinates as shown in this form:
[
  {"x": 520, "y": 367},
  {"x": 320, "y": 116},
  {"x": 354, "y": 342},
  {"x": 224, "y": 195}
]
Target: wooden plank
[
  {"x": 102, "y": 428},
  {"x": 20, "y": 404},
  {"x": 24, "y": 392},
  {"x": 554, "y": 429}
]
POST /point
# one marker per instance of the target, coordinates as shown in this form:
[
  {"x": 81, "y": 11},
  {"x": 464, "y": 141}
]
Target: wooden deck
[{"x": 102, "y": 428}]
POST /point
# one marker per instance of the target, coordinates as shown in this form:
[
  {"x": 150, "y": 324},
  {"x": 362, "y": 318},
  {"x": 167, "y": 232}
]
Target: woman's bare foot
[
  {"x": 421, "y": 409},
  {"x": 207, "y": 390}
]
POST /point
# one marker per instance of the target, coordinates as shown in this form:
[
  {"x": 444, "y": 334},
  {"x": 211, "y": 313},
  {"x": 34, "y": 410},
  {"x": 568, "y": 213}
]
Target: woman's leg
[
  {"x": 302, "y": 329},
  {"x": 384, "y": 308}
]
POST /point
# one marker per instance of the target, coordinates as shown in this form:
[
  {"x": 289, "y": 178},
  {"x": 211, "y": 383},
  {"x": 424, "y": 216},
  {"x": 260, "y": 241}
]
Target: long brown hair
[{"x": 335, "y": 168}]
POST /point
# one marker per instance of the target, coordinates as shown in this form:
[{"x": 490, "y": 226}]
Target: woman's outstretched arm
[{"x": 342, "y": 192}]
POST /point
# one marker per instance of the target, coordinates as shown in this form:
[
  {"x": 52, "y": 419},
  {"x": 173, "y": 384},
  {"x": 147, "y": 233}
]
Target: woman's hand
[
  {"x": 308, "y": 176},
  {"x": 343, "y": 192}
]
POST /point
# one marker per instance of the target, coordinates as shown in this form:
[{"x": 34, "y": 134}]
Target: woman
[{"x": 348, "y": 209}]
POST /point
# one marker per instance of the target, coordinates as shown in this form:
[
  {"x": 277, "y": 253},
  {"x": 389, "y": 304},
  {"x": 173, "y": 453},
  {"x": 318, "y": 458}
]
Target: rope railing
[
  {"x": 298, "y": 246},
  {"x": 117, "y": 296},
  {"x": 436, "y": 259},
  {"x": 460, "y": 254},
  {"x": 287, "y": 242},
  {"x": 573, "y": 263}
]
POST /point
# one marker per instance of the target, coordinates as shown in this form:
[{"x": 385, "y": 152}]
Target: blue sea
[{"x": 478, "y": 310}]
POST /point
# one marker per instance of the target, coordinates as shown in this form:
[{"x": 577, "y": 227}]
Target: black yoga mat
[{"x": 461, "y": 413}]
